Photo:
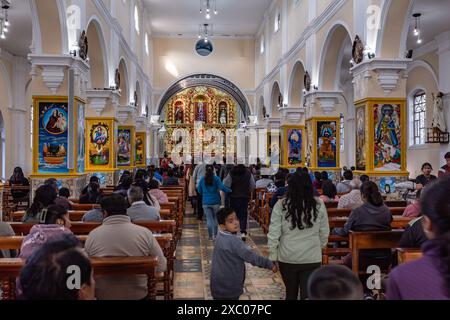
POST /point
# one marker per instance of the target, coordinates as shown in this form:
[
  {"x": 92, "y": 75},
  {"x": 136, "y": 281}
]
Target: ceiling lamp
[
  {"x": 204, "y": 46},
  {"x": 4, "y": 22},
  {"x": 417, "y": 31},
  {"x": 207, "y": 7}
]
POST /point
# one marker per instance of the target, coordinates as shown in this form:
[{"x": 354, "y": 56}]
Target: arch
[
  {"x": 50, "y": 14},
  {"x": 206, "y": 80},
  {"x": 335, "y": 39},
  {"x": 37, "y": 41},
  {"x": 410, "y": 113},
  {"x": 124, "y": 85},
  {"x": 62, "y": 5},
  {"x": 420, "y": 63},
  {"x": 296, "y": 84},
  {"x": 274, "y": 102},
  {"x": 98, "y": 57}
]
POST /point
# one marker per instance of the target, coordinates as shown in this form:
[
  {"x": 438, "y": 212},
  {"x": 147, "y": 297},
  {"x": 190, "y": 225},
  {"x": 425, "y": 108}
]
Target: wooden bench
[
  {"x": 334, "y": 212},
  {"x": 408, "y": 255},
  {"x": 10, "y": 270},
  {"x": 397, "y": 223},
  {"x": 372, "y": 240},
  {"x": 83, "y": 207}
]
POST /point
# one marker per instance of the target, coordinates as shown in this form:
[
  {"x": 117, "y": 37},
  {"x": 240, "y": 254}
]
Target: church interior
[{"x": 225, "y": 149}]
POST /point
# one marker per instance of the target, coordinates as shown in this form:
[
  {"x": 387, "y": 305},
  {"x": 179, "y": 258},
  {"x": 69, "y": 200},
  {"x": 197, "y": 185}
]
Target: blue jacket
[{"x": 210, "y": 194}]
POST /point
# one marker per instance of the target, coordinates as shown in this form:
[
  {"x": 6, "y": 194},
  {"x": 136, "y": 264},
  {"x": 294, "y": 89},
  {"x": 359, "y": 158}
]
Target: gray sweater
[{"x": 228, "y": 265}]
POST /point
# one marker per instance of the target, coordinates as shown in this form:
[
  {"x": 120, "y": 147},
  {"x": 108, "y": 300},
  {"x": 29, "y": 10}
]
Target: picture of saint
[
  {"x": 55, "y": 121},
  {"x": 361, "y": 139},
  {"x": 387, "y": 138},
  {"x": 81, "y": 139},
  {"x": 223, "y": 119},
  {"x": 201, "y": 112},
  {"x": 99, "y": 148},
  {"x": 124, "y": 147},
  {"x": 274, "y": 148},
  {"x": 140, "y": 149},
  {"x": 179, "y": 113},
  {"x": 295, "y": 139},
  {"x": 326, "y": 153}
]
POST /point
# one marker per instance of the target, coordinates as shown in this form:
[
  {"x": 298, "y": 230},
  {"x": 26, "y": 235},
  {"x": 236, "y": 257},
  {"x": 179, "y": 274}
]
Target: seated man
[
  {"x": 139, "y": 210},
  {"x": 353, "y": 199},
  {"x": 117, "y": 236},
  {"x": 344, "y": 186}
]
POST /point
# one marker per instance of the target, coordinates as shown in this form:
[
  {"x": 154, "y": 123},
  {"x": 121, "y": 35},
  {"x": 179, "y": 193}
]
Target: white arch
[
  {"x": 37, "y": 40},
  {"x": 405, "y": 29},
  {"x": 272, "y": 95},
  {"x": 124, "y": 77},
  {"x": 325, "y": 46},
  {"x": 97, "y": 23},
  {"x": 62, "y": 5},
  {"x": 298, "y": 63},
  {"x": 384, "y": 15},
  {"x": 420, "y": 63}
]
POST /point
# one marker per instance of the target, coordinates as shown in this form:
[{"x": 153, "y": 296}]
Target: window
[
  {"x": 277, "y": 22},
  {"x": 262, "y": 45},
  {"x": 418, "y": 118},
  {"x": 136, "y": 19},
  {"x": 147, "y": 50}
]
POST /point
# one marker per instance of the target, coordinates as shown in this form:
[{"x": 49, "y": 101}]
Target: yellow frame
[
  {"x": 72, "y": 173},
  {"x": 369, "y": 104},
  {"x": 314, "y": 159},
  {"x": 112, "y": 145},
  {"x": 284, "y": 147},
  {"x": 143, "y": 136},
  {"x": 132, "y": 147}
]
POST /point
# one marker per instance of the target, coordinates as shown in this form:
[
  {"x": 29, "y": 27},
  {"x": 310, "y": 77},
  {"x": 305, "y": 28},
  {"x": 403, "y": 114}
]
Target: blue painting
[
  {"x": 53, "y": 137},
  {"x": 295, "y": 142},
  {"x": 387, "y": 185},
  {"x": 326, "y": 144},
  {"x": 81, "y": 141}
]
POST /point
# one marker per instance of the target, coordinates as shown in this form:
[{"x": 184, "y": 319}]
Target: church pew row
[
  {"x": 334, "y": 212},
  {"x": 10, "y": 270},
  {"x": 398, "y": 222},
  {"x": 164, "y": 241},
  {"x": 408, "y": 255}
]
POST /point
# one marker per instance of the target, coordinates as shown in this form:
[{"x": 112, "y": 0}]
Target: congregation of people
[{"x": 297, "y": 234}]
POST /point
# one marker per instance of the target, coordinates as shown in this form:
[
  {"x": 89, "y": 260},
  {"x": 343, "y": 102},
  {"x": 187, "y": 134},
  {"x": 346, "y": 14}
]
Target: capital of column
[
  {"x": 273, "y": 122},
  {"x": 124, "y": 112},
  {"x": 141, "y": 122},
  {"x": 325, "y": 100},
  {"x": 293, "y": 114},
  {"x": 98, "y": 99}
]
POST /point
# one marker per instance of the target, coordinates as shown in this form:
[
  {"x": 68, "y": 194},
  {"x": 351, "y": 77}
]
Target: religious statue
[
  {"x": 264, "y": 111},
  {"x": 179, "y": 113},
  {"x": 117, "y": 79},
  {"x": 83, "y": 45},
  {"x": 307, "y": 82},
  {"x": 358, "y": 50},
  {"x": 280, "y": 101},
  {"x": 223, "y": 113},
  {"x": 146, "y": 111},
  {"x": 326, "y": 147},
  {"x": 438, "y": 123},
  {"x": 201, "y": 113},
  {"x": 136, "y": 102}
]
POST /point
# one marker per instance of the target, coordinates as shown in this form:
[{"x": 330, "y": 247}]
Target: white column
[{"x": 444, "y": 80}]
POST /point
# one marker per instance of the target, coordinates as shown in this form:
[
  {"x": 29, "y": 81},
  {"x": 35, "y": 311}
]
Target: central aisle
[{"x": 193, "y": 265}]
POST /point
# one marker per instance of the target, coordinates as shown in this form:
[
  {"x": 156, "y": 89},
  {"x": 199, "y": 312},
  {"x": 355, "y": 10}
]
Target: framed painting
[
  {"x": 327, "y": 133},
  {"x": 387, "y": 146},
  {"x": 52, "y": 140},
  {"x": 140, "y": 149},
  {"x": 100, "y": 143},
  {"x": 293, "y": 151},
  {"x": 361, "y": 146},
  {"x": 274, "y": 148},
  {"x": 125, "y": 146}
]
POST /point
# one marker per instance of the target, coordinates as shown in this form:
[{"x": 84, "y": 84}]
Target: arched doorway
[{"x": 275, "y": 101}]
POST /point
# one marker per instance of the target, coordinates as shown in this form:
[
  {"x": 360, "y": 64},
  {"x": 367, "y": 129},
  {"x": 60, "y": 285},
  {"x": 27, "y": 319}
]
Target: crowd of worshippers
[{"x": 299, "y": 230}]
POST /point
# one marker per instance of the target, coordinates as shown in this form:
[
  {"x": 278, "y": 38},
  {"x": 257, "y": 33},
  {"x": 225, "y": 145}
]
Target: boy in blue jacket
[{"x": 229, "y": 257}]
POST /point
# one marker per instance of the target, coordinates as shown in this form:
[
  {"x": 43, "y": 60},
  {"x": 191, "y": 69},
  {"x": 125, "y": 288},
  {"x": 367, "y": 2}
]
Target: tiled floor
[{"x": 192, "y": 266}]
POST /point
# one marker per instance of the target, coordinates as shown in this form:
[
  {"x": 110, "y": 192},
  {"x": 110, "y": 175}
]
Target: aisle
[{"x": 192, "y": 265}]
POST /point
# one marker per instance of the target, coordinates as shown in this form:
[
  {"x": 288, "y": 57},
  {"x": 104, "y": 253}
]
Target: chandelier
[
  {"x": 4, "y": 22},
  {"x": 207, "y": 7},
  {"x": 417, "y": 32},
  {"x": 204, "y": 33}
]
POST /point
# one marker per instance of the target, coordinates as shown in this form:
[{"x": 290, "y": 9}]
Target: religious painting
[
  {"x": 293, "y": 155},
  {"x": 124, "y": 147},
  {"x": 361, "y": 138},
  {"x": 223, "y": 117},
  {"x": 388, "y": 137},
  {"x": 81, "y": 142},
  {"x": 179, "y": 112},
  {"x": 309, "y": 144},
  {"x": 201, "y": 110},
  {"x": 274, "y": 148},
  {"x": 327, "y": 144},
  {"x": 53, "y": 137},
  {"x": 140, "y": 143},
  {"x": 99, "y": 147}
]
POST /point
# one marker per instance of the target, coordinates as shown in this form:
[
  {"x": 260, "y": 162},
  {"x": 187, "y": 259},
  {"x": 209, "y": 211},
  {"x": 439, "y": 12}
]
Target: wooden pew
[
  {"x": 82, "y": 207},
  {"x": 10, "y": 270},
  {"x": 372, "y": 240},
  {"x": 334, "y": 212},
  {"x": 397, "y": 223},
  {"x": 408, "y": 255}
]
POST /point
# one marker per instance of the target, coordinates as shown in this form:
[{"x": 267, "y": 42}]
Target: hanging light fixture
[
  {"x": 4, "y": 21},
  {"x": 417, "y": 31},
  {"x": 208, "y": 7},
  {"x": 204, "y": 46}
]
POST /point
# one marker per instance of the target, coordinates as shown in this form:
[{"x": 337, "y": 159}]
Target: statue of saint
[
  {"x": 438, "y": 122},
  {"x": 223, "y": 113}
]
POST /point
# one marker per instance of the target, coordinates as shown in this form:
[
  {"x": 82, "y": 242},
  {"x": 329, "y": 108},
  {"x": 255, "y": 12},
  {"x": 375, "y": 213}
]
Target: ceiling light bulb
[
  {"x": 7, "y": 23},
  {"x": 208, "y": 16},
  {"x": 419, "y": 41},
  {"x": 206, "y": 40},
  {"x": 5, "y": 29},
  {"x": 199, "y": 36},
  {"x": 2, "y": 36},
  {"x": 216, "y": 12},
  {"x": 207, "y": 10},
  {"x": 416, "y": 32}
]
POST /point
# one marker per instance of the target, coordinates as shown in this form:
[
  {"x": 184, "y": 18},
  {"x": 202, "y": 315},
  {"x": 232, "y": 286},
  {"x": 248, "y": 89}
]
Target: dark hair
[
  {"x": 300, "y": 203},
  {"x": 45, "y": 196},
  {"x": 170, "y": 172},
  {"x": 17, "y": 176},
  {"x": 141, "y": 174},
  {"x": 223, "y": 214},
  {"x": 353, "y": 168},
  {"x": 334, "y": 282},
  {"x": 329, "y": 189},
  {"x": 45, "y": 273},
  {"x": 238, "y": 170},
  {"x": 447, "y": 155},
  {"x": 209, "y": 175},
  {"x": 114, "y": 204},
  {"x": 153, "y": 184},
  {"x": 94, "y": 179},
  {"x": 318, "y": 176},
  {"x": 426, "y": 164},
  {"x": 435, "y": 204},
  {"x": 53, "y": 213},
  {"x": 324, "y": 175},
  {"x": 127, "y": 181},
  {"x": 418, "y": 194},
  {"x": 52, "y": 182},
  {"x": 364, "y": 178},
  {"x": 64, "y": 192},
  {"x": 348, "y": 175},
  {"x": 144, "y": 186},
  {"x": 305, "y": 170},
  {"x": 371, "y": 192},
  {"x": 93, "y": 193}
]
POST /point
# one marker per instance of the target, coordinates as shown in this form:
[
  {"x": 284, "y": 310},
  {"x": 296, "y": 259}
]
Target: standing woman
[
  {"x": 208, "y": 189},
  {"x": 428, "y": 278},
  {"x": 297, "y": 233}
]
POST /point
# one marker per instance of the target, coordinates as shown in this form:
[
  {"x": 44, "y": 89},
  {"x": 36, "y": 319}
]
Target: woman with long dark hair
[
  {"x": 298, "y": 231},
  {"x": 428, "y": 278},
  {"x": 329, "y": 192},
  {"x": 208, "y": 188},
  {"x": 45, "y": 196},
  {"x": 18, "y": 179},
  {"x": 92, "y": 195}
]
